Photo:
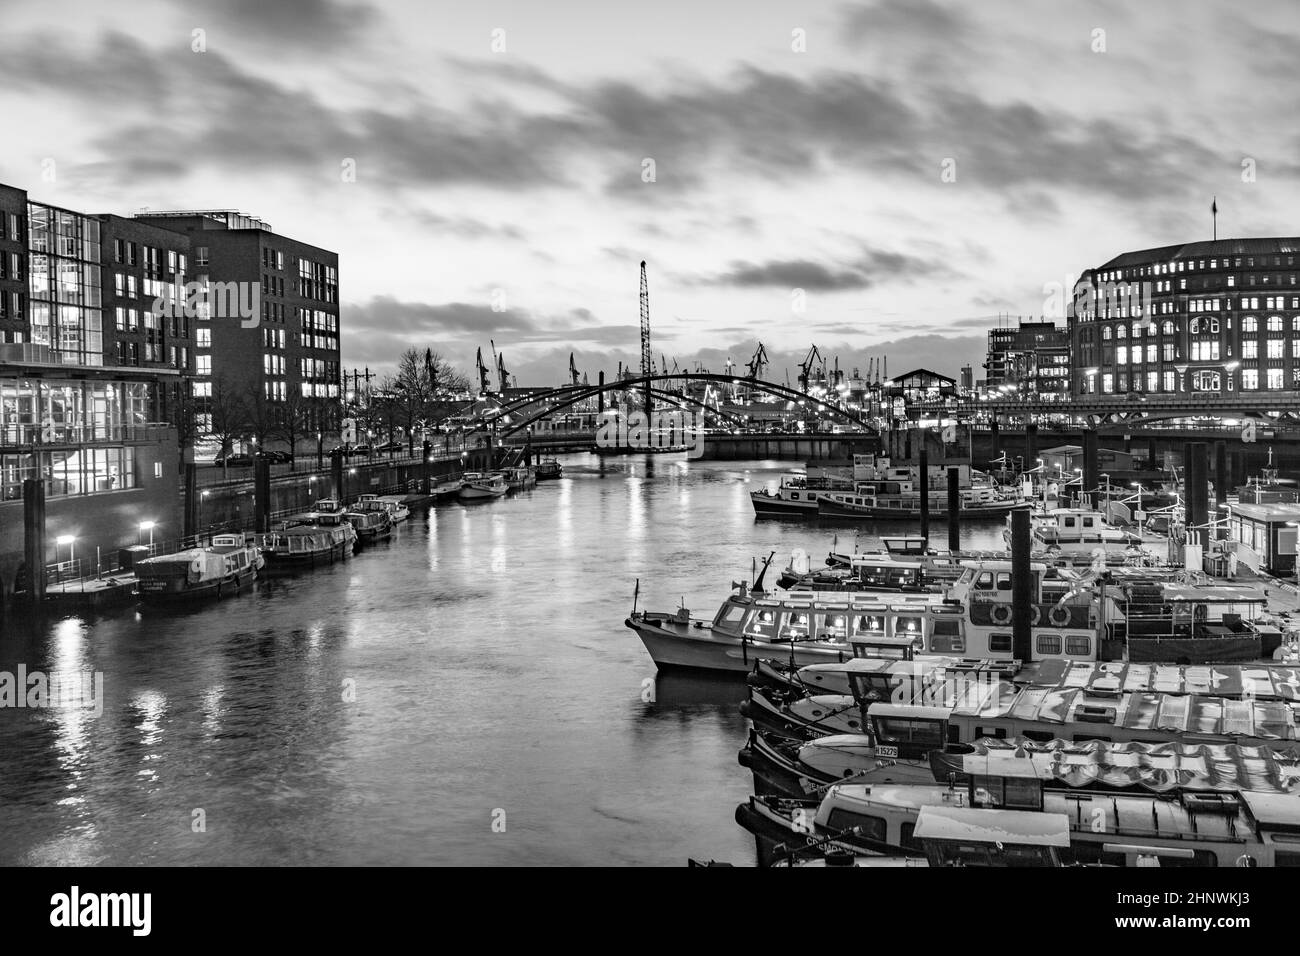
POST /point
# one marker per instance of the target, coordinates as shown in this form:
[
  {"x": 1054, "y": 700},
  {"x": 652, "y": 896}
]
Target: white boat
[
  {"x": 309, "y": 539},
  {"x": 477, "y": 486},
  {"x": 446, "y": 488},
  {"x": 1079, "y": 530},
  {"x": 796, "y": 494}
]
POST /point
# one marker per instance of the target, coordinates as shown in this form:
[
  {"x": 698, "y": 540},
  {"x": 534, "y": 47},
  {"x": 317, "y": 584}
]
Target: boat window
[
  {"x": 1038, "y": 736},
  {"x": 1048, "y": 643},
  {"x": 1078, "y": 645},
  {"x": 732, "y": 613},
  {"x": 984, "y": 581},
  {"x": 909, "y": 842},
  {"x": 794, "y": 496},
  {"x": 902, "y": 730},
  {"x": 1000, "y": 643},
  {"x": 1004, "y": 580},
  {"x": 870, "y": 828},
  {"x": 1087, "y": 522},
  {"x": 832, "y": 626},
  {"x": 1008, "y": 792},
  {"x": 946, "y": 637},
  {"x": 1069, "y": 521},
  {"x": 910, "y": 627},
  {"x": 871, "y": 623}
]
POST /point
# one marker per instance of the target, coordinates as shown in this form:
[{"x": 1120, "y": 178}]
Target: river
[{"x": 464, "y": 693}]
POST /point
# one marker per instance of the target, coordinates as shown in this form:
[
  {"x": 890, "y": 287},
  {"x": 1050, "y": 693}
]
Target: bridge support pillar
[
  {"x": 924, "y": 482},
  {"x": 34, "y": 538},
  {"x": 954, "y": 511}
]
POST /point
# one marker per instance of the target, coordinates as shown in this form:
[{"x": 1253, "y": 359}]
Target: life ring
[
  {"x": 1034, "y": 615},
  {"x": 1000, "y": 613},
  {"x": 1059, "y": 615}
]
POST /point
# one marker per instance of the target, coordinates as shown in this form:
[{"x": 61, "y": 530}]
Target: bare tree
[
  {"x": 227, "y": 417},
  {"x": 261, "y": 414},
  {"x": 293, "y": 420}
]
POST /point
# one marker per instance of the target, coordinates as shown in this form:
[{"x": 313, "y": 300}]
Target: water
[{"x": 474, "y": 670}]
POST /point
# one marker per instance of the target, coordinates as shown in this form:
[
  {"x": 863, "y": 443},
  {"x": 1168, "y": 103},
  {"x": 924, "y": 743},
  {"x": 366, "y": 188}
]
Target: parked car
[
  {"x": 361, "y": 449},
  {"x": 278, "y": 457},
  {"x": 389, "y": 446},
  {"x": 236, "y": 461}
]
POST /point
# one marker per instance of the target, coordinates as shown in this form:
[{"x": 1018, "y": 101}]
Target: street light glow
[{"x": 65, "y": 539}]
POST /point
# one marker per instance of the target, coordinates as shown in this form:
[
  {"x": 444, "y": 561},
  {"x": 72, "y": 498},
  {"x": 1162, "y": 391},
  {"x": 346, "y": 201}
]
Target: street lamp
[
  {"x": 148, "y": 526},
  {"x": 71, "y": 541}
]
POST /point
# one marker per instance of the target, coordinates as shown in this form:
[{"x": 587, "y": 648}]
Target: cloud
[
  {"x": 308, "y": 25},
  {"x": 870, "y": 268}
]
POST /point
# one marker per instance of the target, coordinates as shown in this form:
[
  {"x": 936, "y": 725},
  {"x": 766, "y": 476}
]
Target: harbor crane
[
  {"x": 502, "y": 375},
  {"x": 573, "y": 370},
  {"x": 805, "y": 367},
  {"x": 758, "y": 362},
  {"x": 484, "y": 385},
  {"x": 646, "y": 360}
]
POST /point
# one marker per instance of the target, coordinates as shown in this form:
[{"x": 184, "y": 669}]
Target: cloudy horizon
[{"x": 880, "y": 179}]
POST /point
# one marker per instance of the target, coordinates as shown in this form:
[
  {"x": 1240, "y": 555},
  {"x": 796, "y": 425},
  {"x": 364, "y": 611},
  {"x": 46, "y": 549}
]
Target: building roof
[
  {"x": 1276, "y": 511},
  {"x": 921, "y": 373},
  {"x": 1220, "y": 247}
]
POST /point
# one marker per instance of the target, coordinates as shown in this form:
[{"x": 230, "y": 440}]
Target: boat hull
[
  {"x": 298, "y": 559},
  {"x": 675, "y": 645},
  {"x": 836, "y": 509},
  {"x": 773, "y": 505},
  {"x": 221, "y": 587}
]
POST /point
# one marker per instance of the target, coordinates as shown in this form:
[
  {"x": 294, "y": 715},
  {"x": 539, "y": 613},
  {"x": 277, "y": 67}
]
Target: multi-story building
[
  {"x": 1205, "y": 318},
  {"x": 13, "y": 265},
  {"x": 143, "y": 263},
  {"x": 270, "y": 334},
  {"x": 93, "y": 434},
  {"x": 1031, "y": 359}
]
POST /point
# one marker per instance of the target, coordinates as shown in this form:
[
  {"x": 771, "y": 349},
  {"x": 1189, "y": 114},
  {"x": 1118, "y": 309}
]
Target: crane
[
  {"x": 646, "y": 361},
  {"x": 805, "y": 367},
  {"x": 757, "y": 363},
  {"x": 573, "y": 370},
  {"x": 482, "y": 372},
  {"x": 502, "y": 375}
]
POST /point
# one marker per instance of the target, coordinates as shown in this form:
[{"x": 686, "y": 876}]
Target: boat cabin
[{"x": 961, "y": 836}]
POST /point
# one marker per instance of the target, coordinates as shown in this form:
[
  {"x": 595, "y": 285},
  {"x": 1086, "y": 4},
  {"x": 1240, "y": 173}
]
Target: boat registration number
[{"x": 884, "y": 750}]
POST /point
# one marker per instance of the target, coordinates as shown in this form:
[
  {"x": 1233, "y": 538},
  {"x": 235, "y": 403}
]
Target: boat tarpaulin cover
[
  {"x": 1131, "y": 765},
  {"x": 1261, "y": 681},
  {"x": 1146, "y": 650}
]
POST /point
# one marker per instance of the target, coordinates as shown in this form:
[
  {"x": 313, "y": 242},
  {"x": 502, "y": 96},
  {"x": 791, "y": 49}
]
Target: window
[
  {"x": 1275, "y": 348},
  {"x": 203, "y": 364},
  {"x": 1275, "y": 323},
  {"x": 1048, "y": 644},
  {"x": 1249, "y": 378},
  {"x": 203, "y": 338},
  {"x": 999, "y": 643},
  {"x": 1275, "y": 378},
  {"x": 1249, "y": 349},
  {"x": 201, "y": 255},
  {"x": 1078, "y": 645}
]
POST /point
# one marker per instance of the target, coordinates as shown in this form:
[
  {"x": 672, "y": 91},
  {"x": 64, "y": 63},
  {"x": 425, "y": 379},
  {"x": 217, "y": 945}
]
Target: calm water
[{"x": 492, "y": 674}]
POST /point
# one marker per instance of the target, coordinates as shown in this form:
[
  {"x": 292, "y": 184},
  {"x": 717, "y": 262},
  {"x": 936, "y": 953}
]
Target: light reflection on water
[{"x": 380, "y": 710}]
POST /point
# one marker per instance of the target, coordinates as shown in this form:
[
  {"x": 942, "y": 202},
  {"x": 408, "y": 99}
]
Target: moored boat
[
  {"x": 370, "y": 525},
  {"x": 520, "y": 478},
  {"x": 476, "y": 486},
  {"x": 446, "y": 488},
  {"x": 230, "y": 563},
  {"x": 393, "y": 505},
  {"x": 308, "y": 540},
  {"x": 549, "y": 469}
]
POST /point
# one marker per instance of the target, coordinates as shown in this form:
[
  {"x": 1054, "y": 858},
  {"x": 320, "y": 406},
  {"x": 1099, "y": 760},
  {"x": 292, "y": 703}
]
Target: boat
[
  {"x": 393, "y": 505},
  {"x": 549, "y": 469},
  {"x": 370, "y": 524},
  {"x": 519, "y": 478},
  {"x": 230, "y": 563},
  {"x": 309, "y": 539},
  {"x": 445, "y": 488},
  {"x": 1139, "y": 614},
  {"x": 897, "y": 501},
  {"x": 1080, "y": 530},
  {"x": 476, "y": 486},
  {"x": 1241, "y": 828},
  {"x": 796, "y": 494},
  {"x": 794, "y": 767}
]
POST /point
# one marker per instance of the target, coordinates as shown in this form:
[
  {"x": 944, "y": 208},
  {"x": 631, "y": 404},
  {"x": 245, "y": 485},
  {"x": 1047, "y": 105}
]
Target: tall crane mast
[
  {"x": 500, "y": 360},
  {"x": 805, "y": 367},
  {"x": 757, "y": 363},
  {"x": 573, "y": 370},
  {"x": 646, "y": 361},
  {"x": 483, "y": 385}
]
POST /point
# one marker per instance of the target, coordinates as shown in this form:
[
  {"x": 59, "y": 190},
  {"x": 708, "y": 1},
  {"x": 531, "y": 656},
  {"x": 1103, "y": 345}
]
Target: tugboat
[
  {"x": 227, "y": 565},
  {"x": 477, "y": 486},
  {"x": 549, "y": 469}
]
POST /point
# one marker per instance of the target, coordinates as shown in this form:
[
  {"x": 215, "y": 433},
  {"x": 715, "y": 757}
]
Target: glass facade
[
  {"x": 64, "y": 430},
  {"x": 64, "y": 297}
]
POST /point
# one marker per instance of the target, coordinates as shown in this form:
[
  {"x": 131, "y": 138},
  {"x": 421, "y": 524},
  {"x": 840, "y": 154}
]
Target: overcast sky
[{"x": 501, "y": 194}]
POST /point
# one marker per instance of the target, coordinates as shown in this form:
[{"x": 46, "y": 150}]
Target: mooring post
[
  {"x": 34, "y": 538},
  {"x": 954, "y": 510},
  {"x": 923, "y": 454},
  {"x": 1022, "y": 592}
]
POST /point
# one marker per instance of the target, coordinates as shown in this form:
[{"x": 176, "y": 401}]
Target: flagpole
[{"x": 1214, "y": 214}]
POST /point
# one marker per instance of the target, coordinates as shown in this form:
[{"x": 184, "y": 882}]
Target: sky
[{"x": 881, "y": 179}]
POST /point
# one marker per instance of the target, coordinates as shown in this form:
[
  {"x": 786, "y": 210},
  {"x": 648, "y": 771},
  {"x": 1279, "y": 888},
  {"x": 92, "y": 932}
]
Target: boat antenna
[
  {"x": 758, "y": 581},
  {"x": 635, "y": 594}
]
